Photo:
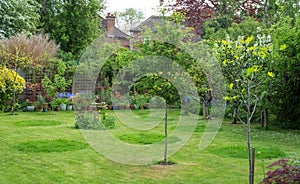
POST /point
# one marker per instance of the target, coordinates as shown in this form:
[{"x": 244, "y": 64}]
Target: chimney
[{"x": 110, "y": 24}]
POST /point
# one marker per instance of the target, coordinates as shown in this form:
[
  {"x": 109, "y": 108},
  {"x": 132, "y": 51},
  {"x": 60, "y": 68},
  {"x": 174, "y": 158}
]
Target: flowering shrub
[{"x": 10, "y": 82}]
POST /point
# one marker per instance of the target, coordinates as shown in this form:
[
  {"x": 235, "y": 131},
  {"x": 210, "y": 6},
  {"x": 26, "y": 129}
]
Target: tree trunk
[
  {"x": 166, "y": 136},
  {"x": 252, "y": 165},
  {"x": 249, "y": 152},
  {"x": 204, "y": 110},
  {"x": 266, "y": 119},
  {"x": 13, "y": 102},
  {"x": 248, "y": 133},
  {"x": 262, "y": 119},
  {"x": 234, "y": 115},
  {"x": 14, "y": 93}
]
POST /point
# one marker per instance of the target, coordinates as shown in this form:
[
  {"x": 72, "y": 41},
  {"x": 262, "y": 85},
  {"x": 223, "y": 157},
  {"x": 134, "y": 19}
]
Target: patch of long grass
[
  {"x": 37, "y": 123},
  {"x": 146, "y": 138},
  {"x": 59, "y": 145},
  {"x": 238, "y": 151}
]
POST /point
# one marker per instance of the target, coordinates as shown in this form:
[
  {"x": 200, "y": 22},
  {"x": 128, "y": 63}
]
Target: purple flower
[
  {"x": 69, "y": 95},
  {"x": 59, "y": 95}
]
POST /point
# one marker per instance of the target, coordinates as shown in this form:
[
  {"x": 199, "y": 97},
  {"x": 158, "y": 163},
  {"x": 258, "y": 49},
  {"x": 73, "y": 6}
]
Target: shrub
[
  {"x": 90, "y": 120},
  {"x": 286, "y": 172},
  {"x": 10, "y": 83}
]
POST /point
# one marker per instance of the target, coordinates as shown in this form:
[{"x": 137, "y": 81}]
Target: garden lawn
[{"x": 44, "y": 147}]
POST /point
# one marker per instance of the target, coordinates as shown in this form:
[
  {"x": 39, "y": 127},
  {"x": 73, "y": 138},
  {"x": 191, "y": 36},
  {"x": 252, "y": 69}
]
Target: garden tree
[
  {"x": 74, "y": 24},
  {"x": 247, "y": 27},
  {"x": 129, "y": 18},
  {"x": 177, "y": 35},
  {"x": 21, "y": 53},
  {"x": 285, "y": 100},
  {"x": 59, "y": 82},
  {"x": 170, "y": 40},
  {"x": 17, "y": 16},
  {"x": 11, "y": 84},
  {"x": 246, "y": 66},
  {"x": 198, "y": 11}
]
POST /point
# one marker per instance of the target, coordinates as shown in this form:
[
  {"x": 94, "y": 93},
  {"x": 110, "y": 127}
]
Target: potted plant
[
  {"x": 30, "y": 106},
  {"x": 40, "y": 102},
  {"x": 69, "y": 105},
  {"x": 63, "y": 103},
  {"x": 24, "y": 106},
  {"x": 55, "y": 103},
  {"x": 69, "y": 102}
]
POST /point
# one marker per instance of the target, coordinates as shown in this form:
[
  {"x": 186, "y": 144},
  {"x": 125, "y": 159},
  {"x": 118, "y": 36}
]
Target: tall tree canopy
[
  {"x": 129, "y": 18},
  {"x": 198, "y": 11},
  {"x": 74, "y": 24},
  {"x": 18, "y": 16}
]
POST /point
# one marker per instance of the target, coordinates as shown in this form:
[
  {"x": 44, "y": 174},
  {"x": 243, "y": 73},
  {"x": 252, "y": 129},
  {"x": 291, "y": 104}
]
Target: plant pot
[
  {"x": 45, "y": 109},
  {"x": 63, "y": 107},
  {"x": 136, "y": 106},
  {"x": 57, "y": 109},
  {"x": 30, "y": 108},
  {"x": 70, "y": 107}
]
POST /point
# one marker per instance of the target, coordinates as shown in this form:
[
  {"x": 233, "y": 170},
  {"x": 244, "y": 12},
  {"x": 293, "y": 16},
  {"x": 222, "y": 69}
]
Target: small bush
[
  {"x": 94, "y": 121},
  {"x": 286, "y": 172},
  {"x": 88, "y": 121}
]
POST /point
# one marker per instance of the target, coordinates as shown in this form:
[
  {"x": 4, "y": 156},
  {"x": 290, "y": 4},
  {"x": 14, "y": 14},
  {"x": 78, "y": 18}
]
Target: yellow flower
[
  {"x": 249, "y": 39},
  {"x": 224, "y": 42},
  {"x": 283, "y": 47},
  {"x": 271, "y": 74},
  {"x": 262, "y": 54}
]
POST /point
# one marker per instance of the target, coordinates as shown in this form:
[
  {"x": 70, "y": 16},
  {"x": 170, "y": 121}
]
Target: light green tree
[
  {"x": 129, "y": 18},
  {"x": 246, "y": 64}
]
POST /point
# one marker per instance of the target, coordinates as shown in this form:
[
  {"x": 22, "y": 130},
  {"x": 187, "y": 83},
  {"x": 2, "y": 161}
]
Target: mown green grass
[{"x": 58, "y": 153}]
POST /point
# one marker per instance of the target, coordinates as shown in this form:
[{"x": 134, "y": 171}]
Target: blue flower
[{"x": 59, "y": 95}]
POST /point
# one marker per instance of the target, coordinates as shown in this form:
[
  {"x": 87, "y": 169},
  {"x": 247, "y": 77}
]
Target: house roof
[
  {"x": 147, "y": 23},
  {"x": 151, "y": 21},
  {"x": 120, "y": 34}
]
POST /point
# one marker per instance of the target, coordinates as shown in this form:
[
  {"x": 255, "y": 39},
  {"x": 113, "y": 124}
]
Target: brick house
[{"x": 113, "y": 32}]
